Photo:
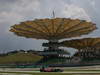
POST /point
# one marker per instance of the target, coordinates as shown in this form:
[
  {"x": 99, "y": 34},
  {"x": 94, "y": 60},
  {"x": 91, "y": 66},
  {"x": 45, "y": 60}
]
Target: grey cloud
[
  {"x": 15, "y": 11},
  {"x": 93, "y": 11}
]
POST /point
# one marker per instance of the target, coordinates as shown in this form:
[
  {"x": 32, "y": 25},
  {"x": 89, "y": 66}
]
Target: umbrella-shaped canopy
[
  {"x": 97, "y": 46},
  {"x": 82, "y": 43},
  {"x": 53, "y": 29}
]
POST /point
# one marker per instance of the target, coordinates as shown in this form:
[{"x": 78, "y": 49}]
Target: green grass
[
  {"x": 19, "y": 58},
  {"x": 42, "y": 73},
  {"x": 51, "y": 74},
  {"x": 46, "y": 73}
]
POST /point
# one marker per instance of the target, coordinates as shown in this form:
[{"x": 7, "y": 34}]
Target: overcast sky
[{"x": 15, "y": 11}]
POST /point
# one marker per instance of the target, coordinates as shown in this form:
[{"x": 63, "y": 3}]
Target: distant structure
[
  {"x": 53, "y": 30},
  {"x": 88, "y": 48}
]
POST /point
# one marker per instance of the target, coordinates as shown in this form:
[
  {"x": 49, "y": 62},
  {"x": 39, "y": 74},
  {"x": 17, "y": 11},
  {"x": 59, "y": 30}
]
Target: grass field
[
  {"x": 19, "y": 58},
  {"x": 38, "y": 73},
  {"x": 16, "y": 73}
]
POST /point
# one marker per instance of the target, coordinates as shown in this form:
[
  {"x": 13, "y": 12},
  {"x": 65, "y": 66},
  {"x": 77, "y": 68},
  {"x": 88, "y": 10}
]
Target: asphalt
[
  {"x": 4, "y": 70},
  {"x": 85, "y": 72}
]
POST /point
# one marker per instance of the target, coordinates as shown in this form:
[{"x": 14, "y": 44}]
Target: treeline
[{"x": 20, "y": 51}]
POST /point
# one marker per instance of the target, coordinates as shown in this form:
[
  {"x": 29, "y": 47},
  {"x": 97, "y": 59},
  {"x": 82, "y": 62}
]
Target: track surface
[
  {"x": 85, "y": 72},
  {"x": 71, "y": 70}
]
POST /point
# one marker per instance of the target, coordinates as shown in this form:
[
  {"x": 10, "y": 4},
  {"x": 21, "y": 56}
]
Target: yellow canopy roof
[
  {"x": 82, "y": 43},
  {"x": 49, "y": 29}
]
